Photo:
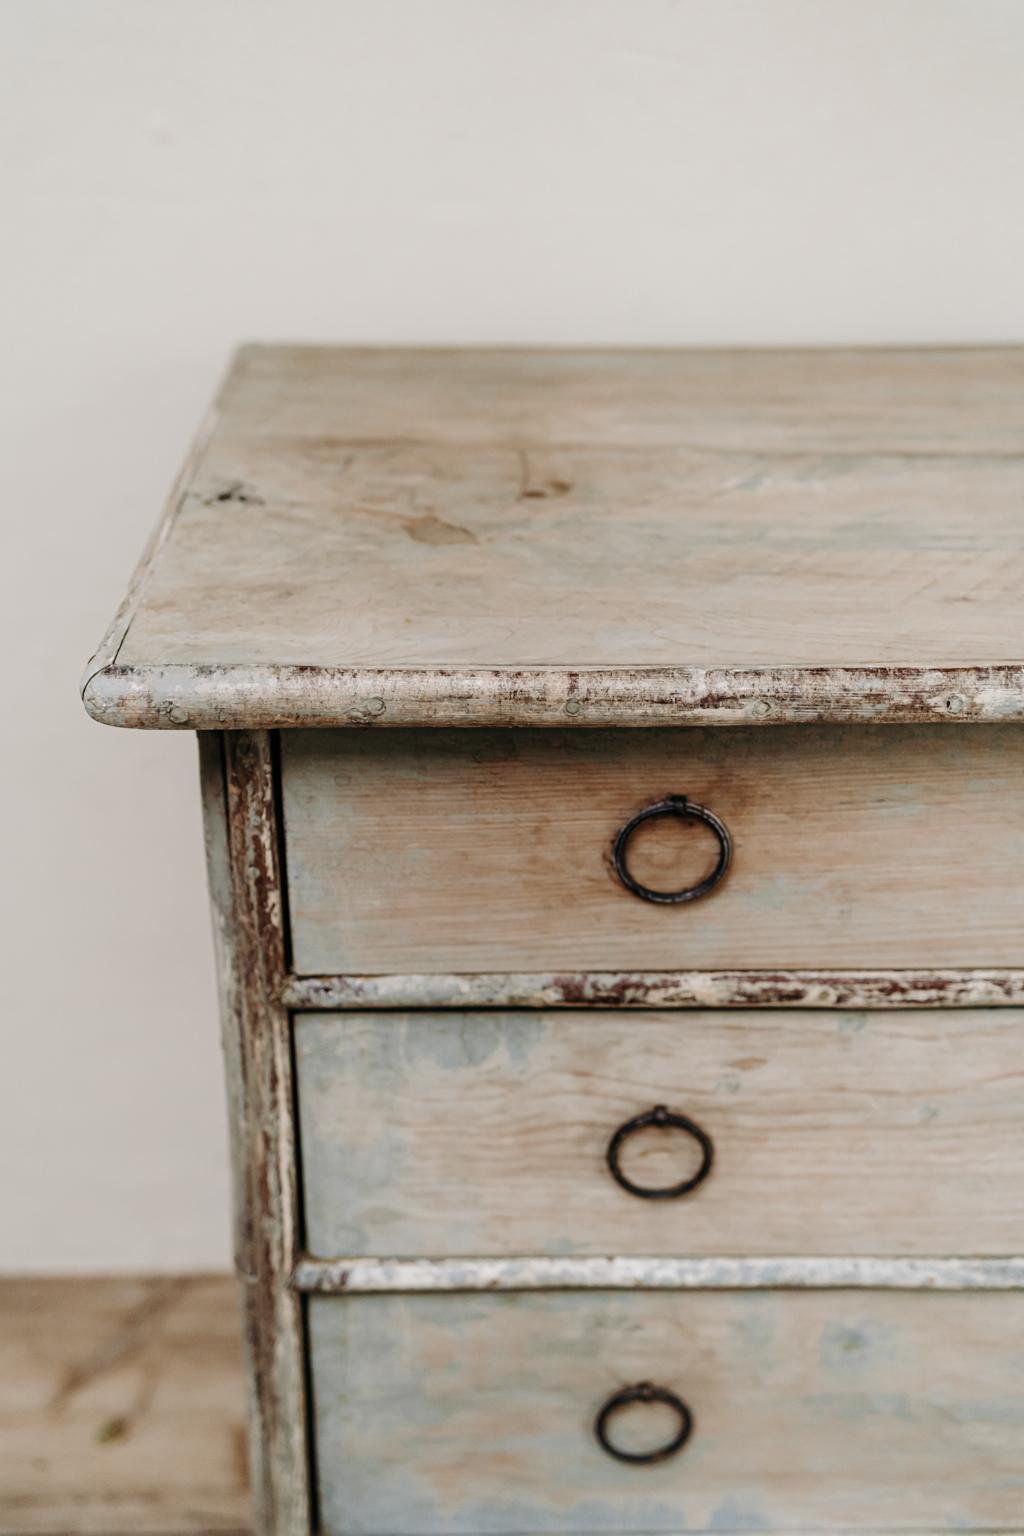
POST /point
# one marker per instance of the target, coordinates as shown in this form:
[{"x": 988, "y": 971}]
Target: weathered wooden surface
[
  {"x": 624, "y": 537},
  {"x": 455, "y": 850},
  {"x": 122, "y": 1408},
  {"x": 543, "y": 1273},
  {"x": 223, "y": 920},
  {"x": 820, "y": 1411},
  {"x": 247, "y": 901},
  {"x": 485, "y": 1133},
  {"x": 663, "y": 989},
  {"x": 204, "y": 697}
]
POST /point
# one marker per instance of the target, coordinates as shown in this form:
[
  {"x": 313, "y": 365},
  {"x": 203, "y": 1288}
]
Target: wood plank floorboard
[{"x": 122, "y": 1408}]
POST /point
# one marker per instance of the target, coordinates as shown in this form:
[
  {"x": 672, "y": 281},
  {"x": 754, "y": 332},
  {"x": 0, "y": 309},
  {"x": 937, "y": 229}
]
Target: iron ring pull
[
  {"x": 643, "y": 1392},
  {"x": 661, "y": 1116},
  {"x": 685, "y": 810}
]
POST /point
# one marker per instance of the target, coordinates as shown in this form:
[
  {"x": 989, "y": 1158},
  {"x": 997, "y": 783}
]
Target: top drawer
[{"x": 440, "y": 850}]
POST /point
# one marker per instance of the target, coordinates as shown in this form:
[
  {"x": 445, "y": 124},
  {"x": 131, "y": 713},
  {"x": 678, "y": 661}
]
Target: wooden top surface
[{"x": 607, "y": 537}]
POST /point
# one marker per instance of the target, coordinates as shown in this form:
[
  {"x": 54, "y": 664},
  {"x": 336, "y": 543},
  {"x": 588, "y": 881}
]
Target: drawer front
[
  {"x": 454, "y": 1134},
  {"x": 435, "y": 851},
  {"x": 823, "y": 1411}
]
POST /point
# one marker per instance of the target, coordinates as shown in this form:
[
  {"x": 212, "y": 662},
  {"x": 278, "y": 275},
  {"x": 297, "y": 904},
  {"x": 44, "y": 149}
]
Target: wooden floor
[{"x": 121, "y": 1408}]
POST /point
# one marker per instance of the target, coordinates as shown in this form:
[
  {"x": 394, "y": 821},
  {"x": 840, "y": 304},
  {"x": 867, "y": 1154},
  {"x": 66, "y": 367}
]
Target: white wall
[{"x": 179, "y": 174}]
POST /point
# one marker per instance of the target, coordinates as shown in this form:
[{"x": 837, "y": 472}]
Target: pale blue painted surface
[{"x": 471, "y": 1415}]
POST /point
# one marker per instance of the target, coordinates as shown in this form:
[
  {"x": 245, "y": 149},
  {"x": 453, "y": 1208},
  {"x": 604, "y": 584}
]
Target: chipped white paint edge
[
  {"x": 219, "y": 697},
  {"x": 371, "y": 1276},
  {"x": 664, "y": 989}
]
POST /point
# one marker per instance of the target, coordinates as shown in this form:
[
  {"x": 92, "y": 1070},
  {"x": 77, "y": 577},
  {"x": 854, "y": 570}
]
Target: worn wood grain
[
  {"x": 208, "y": 697},
  {"x": 122, "y": 1408},
  {"x": 353, "y": 1277},
  {"x": 250, "y": 938},
  {"x": 813, "y": 1411},
  {"x": 618, "y": 537},
  {"x": 854, "y": 989},
  {"x": 422, "y": 851},
  {"x": 834, "y": 1133},
  {"x": 603, "y": 539},
  {"x": 232, "y": 1013}
]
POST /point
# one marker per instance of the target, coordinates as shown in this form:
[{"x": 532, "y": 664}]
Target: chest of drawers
[{"x": 613, "y": 781}]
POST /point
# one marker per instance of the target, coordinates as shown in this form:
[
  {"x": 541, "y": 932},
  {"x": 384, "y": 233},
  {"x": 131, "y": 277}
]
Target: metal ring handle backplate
[
  {"x": 661, "y": 1116},
  {"x": 643, "y": 1392},
  {"x": 685, "y": 810}
]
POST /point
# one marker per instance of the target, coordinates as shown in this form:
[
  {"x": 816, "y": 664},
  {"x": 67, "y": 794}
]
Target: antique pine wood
[
  {"x": 452, "y": 1415},
  {"x": 813, "y": 544},
  {"x": 122, "y": 1407},
  {"x": 834, "y": 1133},
  {"x": 853, "y": 846},
  {"x": 248, "y": 920},
  {"x": 619, "y": 538}
]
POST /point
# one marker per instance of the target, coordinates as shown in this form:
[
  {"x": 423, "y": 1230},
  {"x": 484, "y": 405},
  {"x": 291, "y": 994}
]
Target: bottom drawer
[{"x": 438, "y": 1415}]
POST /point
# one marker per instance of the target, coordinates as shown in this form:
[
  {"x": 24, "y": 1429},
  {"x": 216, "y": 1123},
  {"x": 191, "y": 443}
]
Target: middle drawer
[{"x": 457, "y": 1133}]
